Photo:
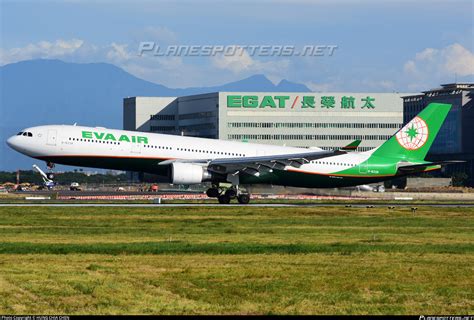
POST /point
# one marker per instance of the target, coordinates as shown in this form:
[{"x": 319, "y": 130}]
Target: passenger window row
[
  {"x": 333, "y": 163},
  {"x": 157, "y": 147},
  {"x": 196, "y": 150},
  {"x": 94, "y": 141},
  {"x": 212, "y": 152}
]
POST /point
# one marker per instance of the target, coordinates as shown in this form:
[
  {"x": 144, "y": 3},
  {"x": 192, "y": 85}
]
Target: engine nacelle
[{"x": 188, "y": 173}]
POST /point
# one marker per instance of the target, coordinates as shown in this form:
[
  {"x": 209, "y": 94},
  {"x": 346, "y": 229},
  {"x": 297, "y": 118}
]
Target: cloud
[
  {"x": 242, "y": 63},
  {"x": 459, "y": 60},
  {"x": 118, "y": 53},
  {"x": 75, "y": 50},
  {"x": 432, "y": 67},
  {"x": 410, "y": 67},
  {"x": 441, "y": 63},
  {"x": 78, "y": 50},
  {"x": 427, "y": 54},
  {"x": 159, "y": 34},
  {"x": 176, "y": 71},
  {"x": 237, "y": 63},
  {"x": 42, "y": 49},
  {"x": 319, "y": 87}
]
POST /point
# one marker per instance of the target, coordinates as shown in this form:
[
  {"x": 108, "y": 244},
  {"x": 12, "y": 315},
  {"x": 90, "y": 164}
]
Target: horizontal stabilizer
[{"x": 420, "y": 167}]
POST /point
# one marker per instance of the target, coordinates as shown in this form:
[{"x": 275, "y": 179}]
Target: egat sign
[{"x": 307, "y": 101}]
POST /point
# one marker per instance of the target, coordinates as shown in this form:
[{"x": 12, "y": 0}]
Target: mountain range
[{"x": 38, "y": 92}]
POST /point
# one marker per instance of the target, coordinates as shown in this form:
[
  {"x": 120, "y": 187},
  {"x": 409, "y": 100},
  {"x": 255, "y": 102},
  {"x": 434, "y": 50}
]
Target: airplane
[{"x": 192, "y": 160}]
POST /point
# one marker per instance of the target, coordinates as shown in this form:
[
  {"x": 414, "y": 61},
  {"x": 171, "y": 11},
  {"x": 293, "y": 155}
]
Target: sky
[{"x": 381, "y": 46}]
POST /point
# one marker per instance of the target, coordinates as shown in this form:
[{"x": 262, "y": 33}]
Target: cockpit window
[
  {"x": 30, "y": 134},
  {"x": 26, "y": 134},
  {"x": 19, "y": 133}
]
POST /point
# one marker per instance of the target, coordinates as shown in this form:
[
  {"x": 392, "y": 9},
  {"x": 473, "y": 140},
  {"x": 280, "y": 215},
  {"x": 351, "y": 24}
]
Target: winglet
[{"x": 352, "y": 146}]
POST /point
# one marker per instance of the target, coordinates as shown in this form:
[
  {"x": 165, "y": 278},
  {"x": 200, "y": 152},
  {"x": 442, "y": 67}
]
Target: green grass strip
[{"x": 225, "y": 248}]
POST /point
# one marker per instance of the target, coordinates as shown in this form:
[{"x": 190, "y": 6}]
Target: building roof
[
  {"x": 452, "y": 86},
  {"x": 449, "y": 88}
]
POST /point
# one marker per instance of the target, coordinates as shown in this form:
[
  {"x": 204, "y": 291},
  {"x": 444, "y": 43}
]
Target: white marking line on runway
[
  {"x": 138, "y": 205},
  {"x": 216, "y": 205}
]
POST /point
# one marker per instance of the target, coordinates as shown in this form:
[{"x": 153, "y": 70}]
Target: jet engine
[{"x": 188, "y": 173}]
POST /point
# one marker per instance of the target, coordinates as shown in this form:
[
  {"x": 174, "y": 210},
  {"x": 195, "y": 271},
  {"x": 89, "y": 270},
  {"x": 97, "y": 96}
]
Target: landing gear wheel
[
  {"x": 212, "y": 192},
  {"x": 231, "y": 193},
  {"x": 224, "y": 199},
  {"x": 243, "y": 199}
]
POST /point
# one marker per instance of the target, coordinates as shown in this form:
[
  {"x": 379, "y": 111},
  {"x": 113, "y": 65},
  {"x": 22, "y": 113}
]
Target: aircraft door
[
  {"x": 363, "y": 167},
  {"x": 135, "y": 148},
  {"x": 52, "y": 137}
]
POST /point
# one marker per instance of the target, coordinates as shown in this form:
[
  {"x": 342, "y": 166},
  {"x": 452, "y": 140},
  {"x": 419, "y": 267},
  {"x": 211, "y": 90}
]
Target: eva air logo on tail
[{"x": 413, "y": 135}]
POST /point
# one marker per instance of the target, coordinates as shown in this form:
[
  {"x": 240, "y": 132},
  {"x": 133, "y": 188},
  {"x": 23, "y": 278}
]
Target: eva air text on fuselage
[{"x": 111, "y": 137}]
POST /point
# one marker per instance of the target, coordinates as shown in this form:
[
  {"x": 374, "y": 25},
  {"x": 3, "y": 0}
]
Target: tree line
[{"x": 34, "y": 177}]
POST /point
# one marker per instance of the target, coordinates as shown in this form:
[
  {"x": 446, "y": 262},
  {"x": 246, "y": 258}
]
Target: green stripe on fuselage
[{"x": 310, "y": 180}]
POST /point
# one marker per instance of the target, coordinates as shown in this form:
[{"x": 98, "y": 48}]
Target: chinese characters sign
[{"x": 303, "y": 102}]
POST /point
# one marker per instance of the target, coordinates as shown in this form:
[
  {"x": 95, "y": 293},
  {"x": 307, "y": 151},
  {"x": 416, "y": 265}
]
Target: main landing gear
[{"x": 224, "y": 196}]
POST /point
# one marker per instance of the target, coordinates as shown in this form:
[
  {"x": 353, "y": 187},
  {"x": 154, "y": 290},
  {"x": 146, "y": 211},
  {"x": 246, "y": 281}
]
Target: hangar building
[{"x": 327, "y": 120}]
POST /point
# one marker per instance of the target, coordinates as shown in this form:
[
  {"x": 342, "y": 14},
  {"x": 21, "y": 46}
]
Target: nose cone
[
  {"x": 13, "y": 142},
  {"x": 10, "y": 141},
  {"x": 24, "y": 144}
]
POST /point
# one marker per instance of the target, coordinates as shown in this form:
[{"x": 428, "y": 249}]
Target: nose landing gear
[
  {"x": 50, "y": 167},
  {"x": 225, "y": 195}
]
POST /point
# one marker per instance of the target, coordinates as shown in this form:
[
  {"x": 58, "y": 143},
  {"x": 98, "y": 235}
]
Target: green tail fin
[{"x": 414, "y": 140}]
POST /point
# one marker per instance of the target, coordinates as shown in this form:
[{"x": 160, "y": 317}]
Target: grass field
[{"x": 240, "y": 260}]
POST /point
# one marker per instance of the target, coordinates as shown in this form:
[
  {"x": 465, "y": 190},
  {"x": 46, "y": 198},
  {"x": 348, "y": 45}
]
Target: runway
[
  {"x": 269, "y": 205},
  {"x": 87, "y": 193}
]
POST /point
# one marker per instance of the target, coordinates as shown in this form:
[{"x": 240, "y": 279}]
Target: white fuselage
[{"x": 70, "y": 141}]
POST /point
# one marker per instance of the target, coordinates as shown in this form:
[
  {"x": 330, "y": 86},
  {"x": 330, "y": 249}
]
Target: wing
[{"x": 258, "y": 164}]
